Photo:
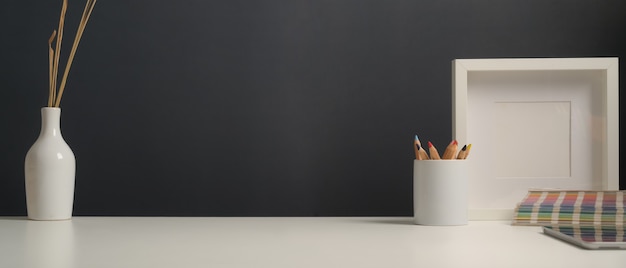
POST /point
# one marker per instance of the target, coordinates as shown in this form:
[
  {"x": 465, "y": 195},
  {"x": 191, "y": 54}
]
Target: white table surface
[{"x": 117, "y": 242}]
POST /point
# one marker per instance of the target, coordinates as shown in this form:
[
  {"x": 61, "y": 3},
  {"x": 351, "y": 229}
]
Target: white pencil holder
[{"x": 440, "y": 192}]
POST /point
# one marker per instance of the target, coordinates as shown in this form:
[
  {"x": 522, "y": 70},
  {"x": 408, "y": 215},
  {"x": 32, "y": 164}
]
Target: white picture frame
[{"x": 535, "y": 123}]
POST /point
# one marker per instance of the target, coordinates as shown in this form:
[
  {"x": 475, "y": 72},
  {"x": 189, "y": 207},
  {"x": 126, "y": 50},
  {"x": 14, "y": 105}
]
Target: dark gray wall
[{"x": 273, "y": 107}]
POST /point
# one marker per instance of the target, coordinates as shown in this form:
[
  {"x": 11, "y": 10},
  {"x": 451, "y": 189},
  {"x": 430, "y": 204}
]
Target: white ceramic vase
[{"x": 49, "y": 170}]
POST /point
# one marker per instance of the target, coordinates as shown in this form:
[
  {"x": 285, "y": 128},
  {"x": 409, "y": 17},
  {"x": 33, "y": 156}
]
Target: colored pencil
[
  {"x": 469, "y": 146},
  {"x": 422, "y": 154},
  {"x": 450, "y": 150},
  {"x": 417, "y": 141},
  {"x": 434, "y": 154},
  {"x": 462, "y": 152}
]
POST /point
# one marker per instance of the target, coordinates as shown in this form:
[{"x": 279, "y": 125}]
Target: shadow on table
[
  {"x": 399, "y": 221},
  {"x": 13, "y": 218}
]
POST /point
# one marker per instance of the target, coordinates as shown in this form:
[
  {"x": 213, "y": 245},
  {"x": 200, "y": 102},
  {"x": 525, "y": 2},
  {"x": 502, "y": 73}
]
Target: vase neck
[{"x": 50, "y": 121}]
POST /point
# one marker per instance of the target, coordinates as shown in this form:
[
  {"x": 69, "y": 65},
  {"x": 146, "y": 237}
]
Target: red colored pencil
[
  {"x": 434, "y": 154},
  {"x": 450, "y": 151}
]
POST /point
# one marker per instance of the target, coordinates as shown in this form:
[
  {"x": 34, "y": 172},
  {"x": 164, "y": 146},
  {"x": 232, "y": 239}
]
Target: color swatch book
[
  {"x": 593, "y": 233},
  {"x": 556, "y": 207}
]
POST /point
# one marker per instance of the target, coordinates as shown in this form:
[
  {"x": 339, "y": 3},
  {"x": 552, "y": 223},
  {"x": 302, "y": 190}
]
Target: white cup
[{"x": 440, "y": 192}]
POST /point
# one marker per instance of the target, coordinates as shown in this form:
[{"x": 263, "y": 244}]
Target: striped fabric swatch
[{"x": 543, "y": 208}]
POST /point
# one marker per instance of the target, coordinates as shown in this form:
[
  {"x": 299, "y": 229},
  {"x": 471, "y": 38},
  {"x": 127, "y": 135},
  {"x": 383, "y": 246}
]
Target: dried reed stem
[
  {"x": 57, "y": 54},
  {"x": 51, "y": 67},
  {"x": 79, "y": 33}
]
